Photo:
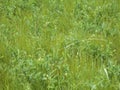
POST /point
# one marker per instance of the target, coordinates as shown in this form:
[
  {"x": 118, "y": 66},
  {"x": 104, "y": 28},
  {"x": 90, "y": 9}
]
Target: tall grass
[{"x": 59, "y": 45}]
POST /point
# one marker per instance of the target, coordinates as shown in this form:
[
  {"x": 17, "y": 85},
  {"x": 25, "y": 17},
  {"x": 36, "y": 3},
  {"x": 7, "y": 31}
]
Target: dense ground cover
[{"x": 59, "y": 45}]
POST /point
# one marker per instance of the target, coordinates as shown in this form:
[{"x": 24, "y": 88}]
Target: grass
[{"x": 59, "y": 45}]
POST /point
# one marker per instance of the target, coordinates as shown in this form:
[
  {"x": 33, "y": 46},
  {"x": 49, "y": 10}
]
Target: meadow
[{"x": 59, "y": 44}]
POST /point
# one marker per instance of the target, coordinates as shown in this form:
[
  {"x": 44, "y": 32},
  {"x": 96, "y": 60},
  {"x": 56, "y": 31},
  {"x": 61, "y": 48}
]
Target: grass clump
[{"x": 59, "y": 45}]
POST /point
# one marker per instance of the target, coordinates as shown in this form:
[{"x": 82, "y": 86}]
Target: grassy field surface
[{"x": 59, "y": 44}]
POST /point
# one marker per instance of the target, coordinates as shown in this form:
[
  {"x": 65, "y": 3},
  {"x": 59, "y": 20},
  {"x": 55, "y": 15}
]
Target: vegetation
[{"x": 59, "y": 44}]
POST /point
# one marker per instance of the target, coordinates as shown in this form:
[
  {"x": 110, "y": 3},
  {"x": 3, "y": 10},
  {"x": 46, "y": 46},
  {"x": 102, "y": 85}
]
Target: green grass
[{"x": 59, "y": 45}]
